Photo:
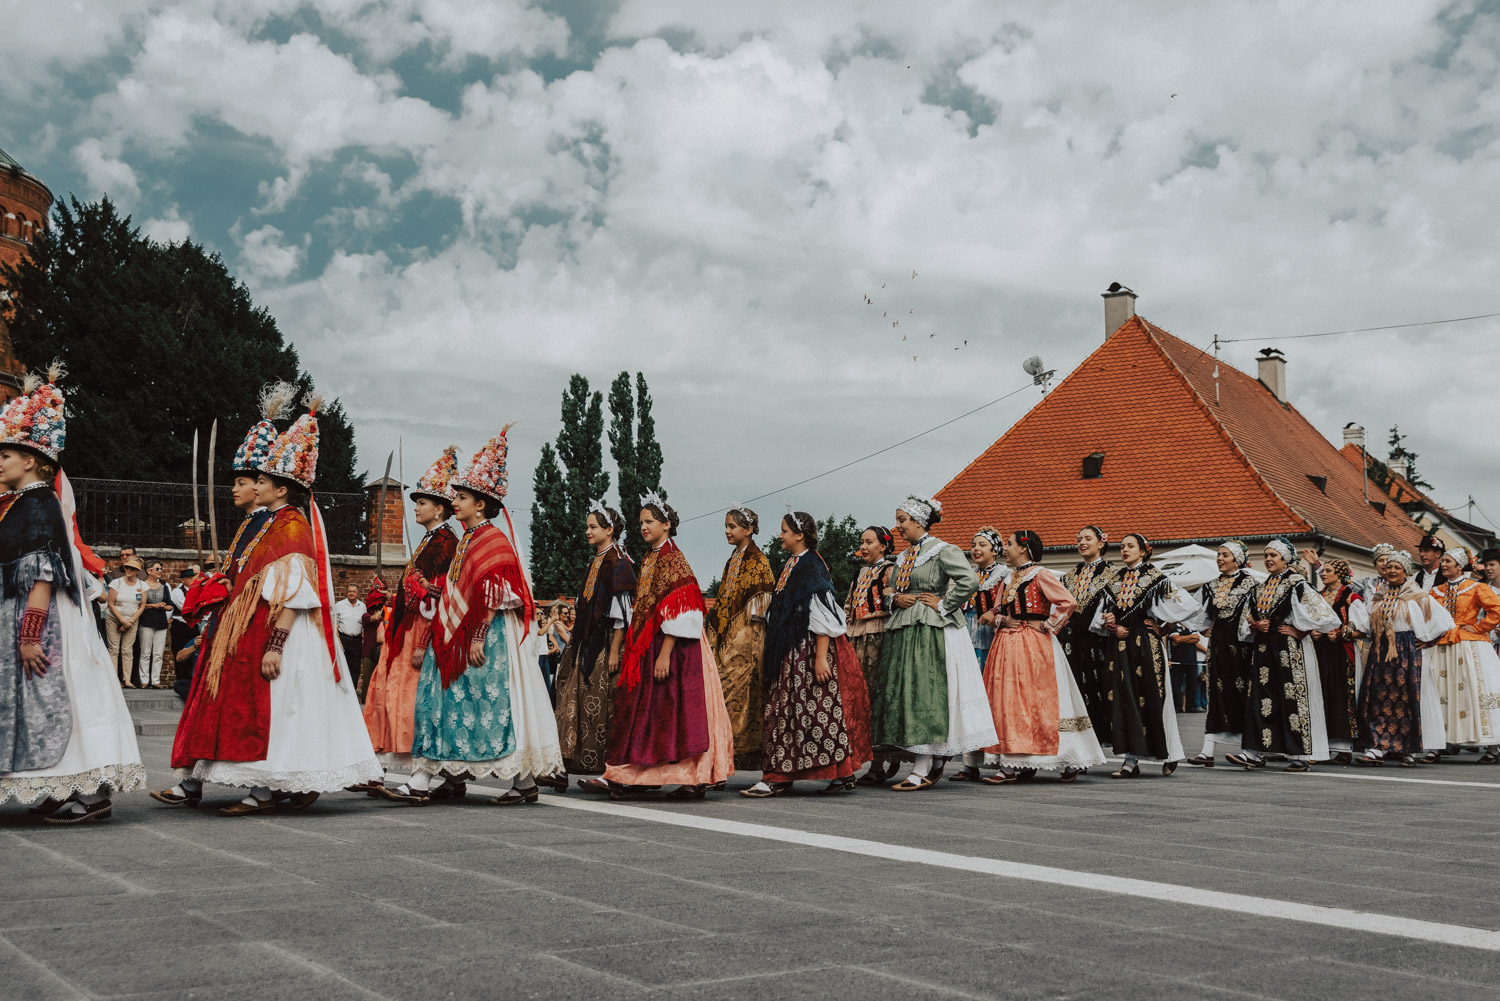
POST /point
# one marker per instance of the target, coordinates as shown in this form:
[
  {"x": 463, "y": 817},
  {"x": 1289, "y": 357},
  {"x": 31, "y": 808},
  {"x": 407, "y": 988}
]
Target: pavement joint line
[
  {"x": 283, "y": 952},
  {"x": 44, "y": 969},
  {"x": 1238, "y": 903},
  {"x": 761, "y": 975},
  {"x": 96, "y": 873},
  {"x": 926, "y": 985},
  {"x": 607, "y": 974}
]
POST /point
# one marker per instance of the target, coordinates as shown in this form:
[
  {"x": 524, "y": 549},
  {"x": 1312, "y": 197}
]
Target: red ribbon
[{"x": 325, "y": 592}]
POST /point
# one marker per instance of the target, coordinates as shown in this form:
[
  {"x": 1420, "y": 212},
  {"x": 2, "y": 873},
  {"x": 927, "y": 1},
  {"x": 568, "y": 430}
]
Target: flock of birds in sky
[{"x": 886, "y": 315}]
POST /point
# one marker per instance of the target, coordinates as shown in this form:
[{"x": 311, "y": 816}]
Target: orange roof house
[
  {"x": 1143, "y": 437},
  {"x": 1429, "y": 515}
]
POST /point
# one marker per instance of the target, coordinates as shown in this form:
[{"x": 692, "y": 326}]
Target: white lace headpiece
[
  {"x": 797, "y": 520},
  {"x": 921, "y": 508},
  {"x": 597, "y": 507},
  {"x": 653, "y": 499},
  {"x": 1284, "y": 548}
]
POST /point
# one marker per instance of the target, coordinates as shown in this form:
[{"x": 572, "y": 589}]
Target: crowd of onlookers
[{"x": 139, "y": 613}]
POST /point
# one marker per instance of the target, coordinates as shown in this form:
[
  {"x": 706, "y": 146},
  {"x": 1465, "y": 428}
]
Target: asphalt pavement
[{"x": 1210, "y": 884}]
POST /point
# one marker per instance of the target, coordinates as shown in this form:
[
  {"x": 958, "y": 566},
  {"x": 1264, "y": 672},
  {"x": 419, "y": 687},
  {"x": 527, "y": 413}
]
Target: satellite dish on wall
[{"x": 1040, "y": 374}]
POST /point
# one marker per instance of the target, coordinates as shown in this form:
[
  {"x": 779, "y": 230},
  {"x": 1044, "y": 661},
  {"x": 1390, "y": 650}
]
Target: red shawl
[
  {"x": 665, "y": 589},
  {"x": 228, "y": 713},
  {"x": 485, "y": 558},
  {"x": 428, "y": 566}
]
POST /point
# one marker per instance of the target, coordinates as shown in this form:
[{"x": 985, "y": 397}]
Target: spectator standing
[
  {"x": 1187, "y": 670},
  {"x": 544, "y": 630},
  {"x": 126, "y": 598},
  {"x": 184, "y": 637},
  {"x": 373, "y": 625},
  {"x": 155, "y": 617},
  {"x": 349, "y": 619},
  {"x": 558, "y": 634}
]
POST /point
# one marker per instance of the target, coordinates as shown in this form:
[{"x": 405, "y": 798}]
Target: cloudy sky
[{"x": 451, "y": 205}]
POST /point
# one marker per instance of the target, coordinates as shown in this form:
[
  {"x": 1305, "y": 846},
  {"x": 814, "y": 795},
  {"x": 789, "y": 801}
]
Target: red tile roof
[{"x": 1183, "y": 459}]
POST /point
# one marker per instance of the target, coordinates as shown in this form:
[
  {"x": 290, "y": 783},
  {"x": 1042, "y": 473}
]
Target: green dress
[{"x": 930, "y": 698}]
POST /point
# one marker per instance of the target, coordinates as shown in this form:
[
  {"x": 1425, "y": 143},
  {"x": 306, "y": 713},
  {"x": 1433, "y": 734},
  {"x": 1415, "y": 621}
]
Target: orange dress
[{"x": 1465, "y": 665}]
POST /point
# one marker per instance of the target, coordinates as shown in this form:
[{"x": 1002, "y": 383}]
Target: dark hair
[
  {"x": 666, "y": 515},
  {"x": 1099, "y": 534},
  {"x": 1486, "y": 555},
  {"x": 884, "y": 535},
  {"x": 1033, "y": 542},
  {"x": 296, "y": 494},
  {"x": 745, "y": 518},
  {"x": 804, "y": 525},
  {"x": 611, "y": 520},
  {"x": 444, "y": 503},
  {"x": 1141, "y": 539}
]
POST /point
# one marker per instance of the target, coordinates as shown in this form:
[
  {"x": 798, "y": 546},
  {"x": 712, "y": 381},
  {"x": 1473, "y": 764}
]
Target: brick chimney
[
  {"x": 395, "y": 516},
  {"x": 1354, "y": 435},
  {"x": 1119, "y": 306},
  {"x": 1397, "y": 466},
  {"x": 1271, "y": 370}
]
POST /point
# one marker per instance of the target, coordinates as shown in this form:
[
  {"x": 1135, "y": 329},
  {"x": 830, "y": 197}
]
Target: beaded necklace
[
  {"x": 906, "y": 566},
  {"x": 593, "y": 578},
  {"x": 265, "y": 527},
  {"x": 1451, "y": 594},
  {"x": 1014, "y": 585},
  {"x": 1129, "y": 588},
  {"x": 786, "y": 572},
  {"x": 1082, "y": 578},
  {"x": 1223, "y": 588},
  {"x": 458, "y": 554},
  {"x": 1269, "y": 593}
]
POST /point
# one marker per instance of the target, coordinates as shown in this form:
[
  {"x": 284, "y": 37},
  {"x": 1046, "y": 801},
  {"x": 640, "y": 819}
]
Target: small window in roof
[
  {"x": 1093, "y": 466},
  {"x": 1321, "y": 482}
]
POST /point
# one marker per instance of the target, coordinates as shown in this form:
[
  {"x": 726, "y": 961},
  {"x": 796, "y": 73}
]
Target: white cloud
[
  {"x": 266, "y": 256},
  {"x": 714, "y": 216},
  {"x": 106, "y": 173},
  {"x": 169, "y": 227}
]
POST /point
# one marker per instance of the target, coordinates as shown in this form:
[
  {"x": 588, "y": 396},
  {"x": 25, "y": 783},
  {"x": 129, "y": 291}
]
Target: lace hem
[
  {"x": 248, "y": 776},
  {"x": 979, "y": 730},
  {"x": 391, "y": 761},
  {"x": 548, "y": 762},
  {"x": 30, "y": 788}
]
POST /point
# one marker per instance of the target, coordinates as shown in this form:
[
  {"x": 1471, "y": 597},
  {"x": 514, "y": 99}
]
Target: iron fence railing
[{"x": 160, "y": 515}]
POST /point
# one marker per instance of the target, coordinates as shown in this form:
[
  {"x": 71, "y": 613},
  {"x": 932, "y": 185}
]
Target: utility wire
[
  {"x": 1357, "y": 330},
  {"x": 855, "y": 462}
]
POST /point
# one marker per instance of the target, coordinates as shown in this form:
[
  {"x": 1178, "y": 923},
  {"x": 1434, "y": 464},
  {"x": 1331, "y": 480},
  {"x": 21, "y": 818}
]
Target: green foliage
[
  {"x": 550, "y": 573},
  {"x": 837, "y": 538},
  {"x": 637, "y": 453},
  {"x": 1398, "y": 450},
  {"x": 159, "y": 340}
]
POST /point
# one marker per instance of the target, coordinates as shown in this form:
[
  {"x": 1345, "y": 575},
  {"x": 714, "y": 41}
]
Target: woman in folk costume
[
  {"x": 1284, "y": 705},
  {"x": 1040, "y": 716},
  {"x": 1089, "y": 654},
  {"x": 1227, "y": 673},
  {"x": 1138, "y": 602},
  {"x": 279, "y": 713},
  {"x": 737, "y": 630},
  {"x": 1394, "y": 718},
  {"x": 1338, "y": 661},
  {"x": 931, "y": 699},
  {"x": 482, "y": 707},
  {"x": 590, "y": 666},
  {"x": 817, "y": 708},
  {"x": 1463, "y": 661},
  {"x": 66, "y": 736},
  {"x": 865, "y": 613},
  {"x": 209, "y": 592},
  {"x": 986, "y": 553},
  {"x": 391, "y": 699},
  {"x": 670, "y": 723}
]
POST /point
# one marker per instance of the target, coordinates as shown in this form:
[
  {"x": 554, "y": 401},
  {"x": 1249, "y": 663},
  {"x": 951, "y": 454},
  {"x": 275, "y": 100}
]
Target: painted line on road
[
  {"x": 1320, "y": 772},
  {"x": 1286, "y": 910}
]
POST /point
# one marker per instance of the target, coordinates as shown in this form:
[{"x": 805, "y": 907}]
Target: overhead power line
[
  {"x": 1357, "y": 330},
  {"x": 855, "y": 462}
]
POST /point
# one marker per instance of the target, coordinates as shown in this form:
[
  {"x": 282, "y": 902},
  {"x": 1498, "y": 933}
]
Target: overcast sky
[{"x": 451, "y": 205}]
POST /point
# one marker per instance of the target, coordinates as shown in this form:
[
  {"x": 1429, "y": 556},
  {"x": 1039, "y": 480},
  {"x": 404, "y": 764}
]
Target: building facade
[{"x": 25, "y": 208}]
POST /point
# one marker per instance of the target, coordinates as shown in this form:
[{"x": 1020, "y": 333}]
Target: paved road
[{"x": 871, "y": 896}]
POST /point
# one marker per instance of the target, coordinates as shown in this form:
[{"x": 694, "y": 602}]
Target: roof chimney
[
  {"x": 1271, "y": 370},
  {"x": 1354, "y": 435},
  {"x": 1397, "y": 466},
  {"x": 1119, "y": 306}
]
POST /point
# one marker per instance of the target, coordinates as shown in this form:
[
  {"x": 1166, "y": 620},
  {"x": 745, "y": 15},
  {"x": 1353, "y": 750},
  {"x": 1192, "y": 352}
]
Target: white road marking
[
  {"x": 1322, "y": 771},
  {"x": 1286, "y": 910}
]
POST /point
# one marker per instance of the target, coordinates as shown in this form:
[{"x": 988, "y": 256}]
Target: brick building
[{"x": 25, "y": 206}]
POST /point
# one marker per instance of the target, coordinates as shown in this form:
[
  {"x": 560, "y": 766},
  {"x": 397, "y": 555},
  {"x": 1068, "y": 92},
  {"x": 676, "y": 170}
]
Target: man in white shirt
[
  {"x": 348, "y": 618},
  {"x": 1429, "y": 553}
]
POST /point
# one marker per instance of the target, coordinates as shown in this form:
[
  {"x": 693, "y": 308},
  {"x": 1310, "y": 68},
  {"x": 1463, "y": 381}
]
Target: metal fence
[{"x": 160, "y": 515}]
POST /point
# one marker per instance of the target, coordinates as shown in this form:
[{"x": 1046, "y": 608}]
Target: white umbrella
[{"x": 1190, "y": 566}]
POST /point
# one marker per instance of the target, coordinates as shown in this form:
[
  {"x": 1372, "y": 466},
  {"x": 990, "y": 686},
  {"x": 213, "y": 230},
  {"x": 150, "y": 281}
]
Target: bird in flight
[
  {"x": 914, "y": 274},
  {"x": 882, "y": 284},
  {"x": 910, "y": 311},
  {"x": 895, "y": 323},
  {"x": 885, "y": 315},
  {"x": 903, "y": 337},
  {"x": 933, "y": 334}
]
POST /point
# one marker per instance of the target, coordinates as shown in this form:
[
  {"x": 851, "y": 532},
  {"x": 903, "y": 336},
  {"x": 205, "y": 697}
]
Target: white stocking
[{"x": 922, "y": 767}]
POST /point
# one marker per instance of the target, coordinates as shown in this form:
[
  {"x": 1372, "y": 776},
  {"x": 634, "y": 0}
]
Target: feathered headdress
[{"x": 37, "y": 419}]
